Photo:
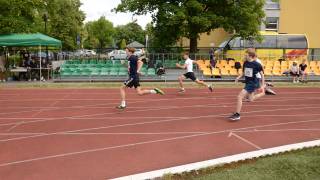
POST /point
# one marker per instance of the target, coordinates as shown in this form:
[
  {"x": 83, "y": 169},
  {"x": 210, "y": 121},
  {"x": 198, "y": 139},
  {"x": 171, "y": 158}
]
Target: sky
[{"x": 94, "y": 9}]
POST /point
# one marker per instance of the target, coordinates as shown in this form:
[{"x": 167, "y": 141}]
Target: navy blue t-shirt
[
  {"x": 133, "y": 63},
  {"x": 250, "y": 71}
]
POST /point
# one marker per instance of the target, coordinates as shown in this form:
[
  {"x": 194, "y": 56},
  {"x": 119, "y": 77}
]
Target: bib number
[{"x": 248, "y": 72}]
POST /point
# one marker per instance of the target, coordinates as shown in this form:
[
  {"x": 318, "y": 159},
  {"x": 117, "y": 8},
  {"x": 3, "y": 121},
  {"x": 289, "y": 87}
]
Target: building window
[{"x": 272, "y": 23}]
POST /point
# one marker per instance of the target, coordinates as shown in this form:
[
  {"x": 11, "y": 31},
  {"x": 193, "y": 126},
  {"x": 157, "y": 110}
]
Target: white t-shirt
[
  {"x": 258, "y": 75},
  {"x": 294, "y": 69},
  {"x": 189, "y": 63}
]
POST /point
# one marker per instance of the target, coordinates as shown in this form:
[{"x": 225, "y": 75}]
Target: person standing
[{"x": 2, "y": 69}]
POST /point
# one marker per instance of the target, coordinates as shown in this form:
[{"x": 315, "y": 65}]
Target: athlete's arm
[
  {"x": 262, "y": 79},
  {"x": 140, "y": 64},
  {"x": 239, "y": 77},
  {"x": 181, "y": 66}
]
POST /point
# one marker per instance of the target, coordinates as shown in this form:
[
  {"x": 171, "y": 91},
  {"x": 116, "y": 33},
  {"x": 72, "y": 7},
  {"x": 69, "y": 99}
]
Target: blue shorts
[{"x": 250, "y": 87}]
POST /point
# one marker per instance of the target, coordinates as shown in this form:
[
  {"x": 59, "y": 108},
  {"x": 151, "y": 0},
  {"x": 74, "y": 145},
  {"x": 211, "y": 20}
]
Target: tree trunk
[{"x": 193, "y": 44}]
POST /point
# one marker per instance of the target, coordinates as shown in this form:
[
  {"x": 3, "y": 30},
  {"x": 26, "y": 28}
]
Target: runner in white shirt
[{"x": 188, "y": 65}]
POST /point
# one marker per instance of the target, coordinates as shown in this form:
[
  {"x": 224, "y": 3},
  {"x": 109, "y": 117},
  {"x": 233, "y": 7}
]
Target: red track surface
[{"x": 78, "y": 134}]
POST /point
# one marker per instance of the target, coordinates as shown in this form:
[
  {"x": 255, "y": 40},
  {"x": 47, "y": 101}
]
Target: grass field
[{"x": 297, "y": 165}]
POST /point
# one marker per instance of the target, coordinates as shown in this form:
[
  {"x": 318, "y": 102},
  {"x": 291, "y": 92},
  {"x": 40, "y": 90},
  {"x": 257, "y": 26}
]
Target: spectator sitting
[
  {"x": 302, "y": 70},
  {"x": 294, "y": 72}
]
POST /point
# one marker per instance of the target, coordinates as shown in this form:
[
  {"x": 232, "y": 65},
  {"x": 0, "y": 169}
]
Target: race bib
[{"x": 248, "y": 72}]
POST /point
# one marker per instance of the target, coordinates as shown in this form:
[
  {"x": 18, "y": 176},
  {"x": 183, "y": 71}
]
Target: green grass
[
  {"x": 188, "y": 84},
  {"x": 296, "y": 165}
]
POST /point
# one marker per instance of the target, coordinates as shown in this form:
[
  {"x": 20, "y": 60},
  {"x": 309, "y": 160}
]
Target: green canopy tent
[{"x": 29, "y": 40}]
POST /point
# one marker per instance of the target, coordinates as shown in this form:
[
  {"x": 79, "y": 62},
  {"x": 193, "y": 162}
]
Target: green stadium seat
[
  {"x": 123, "y": 73},
  {"x": 104, "y": 72},
  {"x": 93, "y": 61},
  {"x": 101, "y": 62},
  {"x": 66, "y": 72},
  {"x": 85, "y": 61},
  {"x": 76, "y": 72},
  {"x": 151, "y": 72},
  {"x": 95, "y": 72},
  {"x": 114, "y": 71},
  {"x": 85, "y": 72}
]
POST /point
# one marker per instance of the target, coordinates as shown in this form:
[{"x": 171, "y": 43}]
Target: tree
[
  {"x": 18, "y": 16},
  {"x": 123, "y": 44},
  {"x": 100, "y": 32},
  {"x": 180, "y": 18},
  {"x": 129, "y": 32},
  {"x": 65, "y": 21}
]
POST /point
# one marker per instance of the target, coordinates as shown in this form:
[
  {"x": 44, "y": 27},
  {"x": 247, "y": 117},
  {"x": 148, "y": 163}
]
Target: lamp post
[{"x": 45, "y": 19}]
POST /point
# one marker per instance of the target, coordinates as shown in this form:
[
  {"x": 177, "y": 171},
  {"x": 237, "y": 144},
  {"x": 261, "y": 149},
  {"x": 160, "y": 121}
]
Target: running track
[{"x": 78, "y": 134}]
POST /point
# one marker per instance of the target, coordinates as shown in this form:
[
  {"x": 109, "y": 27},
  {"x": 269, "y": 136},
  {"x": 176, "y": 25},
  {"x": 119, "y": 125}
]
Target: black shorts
[
  {"x": 132, "y": 82},
  {"x": 190, "y": 75},
  {"x": 294, "y": 74}
]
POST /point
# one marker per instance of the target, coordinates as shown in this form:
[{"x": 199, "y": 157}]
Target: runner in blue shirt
[
  {"x": 250, "y": 70},
  {"x": 134, "y": 67}
]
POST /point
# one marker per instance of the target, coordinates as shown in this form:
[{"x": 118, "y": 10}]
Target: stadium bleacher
[
  {"x": 96, "y": 68},
  {"x": 271, "y": 67}
]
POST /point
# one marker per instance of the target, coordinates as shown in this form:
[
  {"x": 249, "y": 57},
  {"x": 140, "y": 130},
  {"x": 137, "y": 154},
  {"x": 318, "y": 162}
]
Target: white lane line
[
  {"x": 142, "y": 143},
  {"x": 152, "y": 122},
  {"x": 152, "y": 100},
  {"x": 135, "y": 133},
  {"x": 14, "y": 126},
  {"x": 243, "y": 139},
  {"x": 218, "y": 161},
  {"x": 277, "y": 130},
  {"x": 20, "y": 134}
]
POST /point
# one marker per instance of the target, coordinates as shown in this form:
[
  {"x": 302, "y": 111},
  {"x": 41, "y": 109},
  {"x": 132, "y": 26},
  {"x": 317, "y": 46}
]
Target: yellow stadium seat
[
  {"x": 276, "y": 72},
  {"x": 227, "y": 67},
  {"x": 314, "y": 67},
  {"x": 220, "y": 66},
  {"x": 268, "y": 72},
  {"x": 233, "y": 72},
  {"x": 207, "y": 72},
  {"x": 312, "y": 63},
  {"x": 223, "y": 62},
  {"x": 268, "y": 68},
  {"x": 200, "y": 62},
  {"x": 207, "y": 62},
  {"x": 224, "y": 72},
  {"x": 216, "y": 72},
  {"x": 231, "y": 63},
  {"x": 317, "y": 72}
]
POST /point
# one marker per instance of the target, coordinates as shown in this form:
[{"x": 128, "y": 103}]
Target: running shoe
[
  {"x": 182, "y": 91},
  {"x": 269, "y": 84},
  {"x": 121, "y": 107},
  {"x": 270, "y": 92},
  {"x": 235, "y": 117},
  {"x": 159, "y": 91},
  {"x": 210, "y": 88}
]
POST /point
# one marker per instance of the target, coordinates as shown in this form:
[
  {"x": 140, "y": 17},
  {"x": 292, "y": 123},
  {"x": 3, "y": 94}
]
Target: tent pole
[{"x": 40, "y": 65}]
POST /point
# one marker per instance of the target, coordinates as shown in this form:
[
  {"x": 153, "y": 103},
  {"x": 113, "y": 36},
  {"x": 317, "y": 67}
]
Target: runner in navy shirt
[
  {"x": 134, "y": 67},
  {"x": 250, "y": 70}
]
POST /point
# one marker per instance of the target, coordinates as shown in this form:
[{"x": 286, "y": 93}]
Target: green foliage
[
  {"x": 24, "y": 16},
  {"x": 99, "y": 33},
  {"x": 175, "y": 19},
  {"x": 65, "y": 21},
  {"x": 129, "y": 32},
  {"x": 123, "y": 44},
  {"x": 18, "y": 16}
]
